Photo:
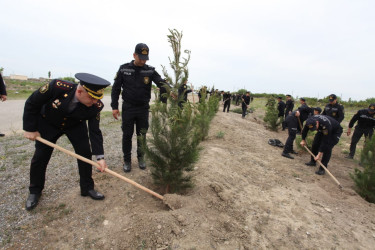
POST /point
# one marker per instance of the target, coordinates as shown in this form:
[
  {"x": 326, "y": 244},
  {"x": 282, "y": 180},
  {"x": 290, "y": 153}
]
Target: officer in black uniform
[
  {"x": 62, "y": 107},
  {"x": 3, "y": 94},
  {"x": 227, "y": 98},
  {"x": 334, "y": 109},
  {"x": 328, "y": 135},
  {"x": 289, "y": 105},
  {"x": 365, "y": 126},
  {"x": 183, "y": 93},
  {"x": 291, "y": 122},
  {"x": 245, "y": 103},
  {"x": 135, "y": 79},
  {"x": 305, "y": 112},
  {"x": 280, "y": 107}
]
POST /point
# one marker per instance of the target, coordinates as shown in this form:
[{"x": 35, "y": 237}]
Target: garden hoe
[
  {"x": 171, "y": 200},
  {"x": 320, "y": 163}
]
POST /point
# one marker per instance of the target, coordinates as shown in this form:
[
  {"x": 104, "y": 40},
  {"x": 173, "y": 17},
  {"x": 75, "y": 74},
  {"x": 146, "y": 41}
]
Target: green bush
[
  {"x": 365, "y": 179},
  {"x": 271, "y": 117}
]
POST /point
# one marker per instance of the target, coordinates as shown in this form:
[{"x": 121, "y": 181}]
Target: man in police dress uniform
[
  {"x": 334, "y": 109},
  {"x": 62, "y": 107},
  {"x": 328, "y": 135},
  {"x": 365, "y": 126},
  {"x": 135, "y": 80}
]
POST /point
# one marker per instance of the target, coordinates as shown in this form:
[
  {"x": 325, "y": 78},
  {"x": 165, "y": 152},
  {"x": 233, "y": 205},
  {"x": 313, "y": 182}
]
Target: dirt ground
[{"x": 246, "y": 196}]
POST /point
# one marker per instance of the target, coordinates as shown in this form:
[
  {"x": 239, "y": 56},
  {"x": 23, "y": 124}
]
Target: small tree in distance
[{"x": 271, "y": 117}]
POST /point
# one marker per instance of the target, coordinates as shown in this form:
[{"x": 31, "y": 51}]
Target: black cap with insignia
[
  {"x": 142, "y": 51},
  {"x": 94, "y": 85},
  {"x": 311, "y": 123},
  {"x": 332, "y": 97}
]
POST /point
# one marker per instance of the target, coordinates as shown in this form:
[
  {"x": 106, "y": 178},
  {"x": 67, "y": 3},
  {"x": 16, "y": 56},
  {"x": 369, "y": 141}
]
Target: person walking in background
[
  {"x": 227, "y": 99},
  {"x": 334, "y": 109},
  {"x": 245, "y": 103},
  {"x": 365, "y": 126},
  {"x": 3, "y": 94}
]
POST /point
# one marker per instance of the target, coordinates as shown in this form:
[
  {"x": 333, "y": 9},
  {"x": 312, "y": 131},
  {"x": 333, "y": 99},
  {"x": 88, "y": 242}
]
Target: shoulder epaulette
[{"x": 64, "y": 84}]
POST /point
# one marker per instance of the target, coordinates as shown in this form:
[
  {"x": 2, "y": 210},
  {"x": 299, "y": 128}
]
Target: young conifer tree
[
  {"x": 172, "y": 147},
  {"x": 365, "y": 180},
  {"x": 271, "y": 117}
]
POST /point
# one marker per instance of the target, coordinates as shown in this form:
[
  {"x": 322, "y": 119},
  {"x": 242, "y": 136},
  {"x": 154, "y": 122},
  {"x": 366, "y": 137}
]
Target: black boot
[
  {"x": 127, "y": 166},
  {"x": 142, "y": 163},
  {"x": 310, "y": 163},
  {"x": 349, "y": 157},
  {"x": 287, "y": 155},
  {"x": 32, "y": 201},
  {"x": 321, "y": 171},
  {"x": 95, "y": 195}
]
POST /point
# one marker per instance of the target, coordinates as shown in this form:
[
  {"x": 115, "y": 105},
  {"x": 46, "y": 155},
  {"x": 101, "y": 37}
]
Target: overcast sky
[{"x": 303, "y": 48}]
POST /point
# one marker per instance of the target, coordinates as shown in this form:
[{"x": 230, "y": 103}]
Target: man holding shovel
[
  {"x": 328, "y": 135},
  {"x": 245, "y": 103},
  {"x": 62, "y": 107}
]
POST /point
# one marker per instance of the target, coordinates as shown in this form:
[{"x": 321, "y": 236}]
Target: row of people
[{"x": 328, "y": 129}]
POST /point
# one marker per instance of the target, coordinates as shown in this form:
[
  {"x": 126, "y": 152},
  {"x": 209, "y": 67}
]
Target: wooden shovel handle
[
  {"x": 321, "y": 164},
  {"x": 79, "y": 157}
]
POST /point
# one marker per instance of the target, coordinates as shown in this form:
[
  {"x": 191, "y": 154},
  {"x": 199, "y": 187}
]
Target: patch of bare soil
[{"x": 246, "y": 196}]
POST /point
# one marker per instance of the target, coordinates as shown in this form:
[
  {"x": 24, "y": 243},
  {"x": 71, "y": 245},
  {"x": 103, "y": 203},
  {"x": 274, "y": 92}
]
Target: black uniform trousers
[
  {"x": 226, "y": 105},
  {"x": 244, "y": 108},
  {"x": 78, "y": 136},
  {"x": 328, "y": 152},
  {"x": 358, "y": 132},
  {"x": 292, "y": 123},
  {"x": 131, "y": 115}
]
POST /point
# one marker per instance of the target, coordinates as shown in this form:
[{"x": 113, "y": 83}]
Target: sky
[{"x": 303, "y": 48}]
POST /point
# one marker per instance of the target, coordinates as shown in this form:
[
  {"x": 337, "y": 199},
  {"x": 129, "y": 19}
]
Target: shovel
[{"x": 321, "y": 164}]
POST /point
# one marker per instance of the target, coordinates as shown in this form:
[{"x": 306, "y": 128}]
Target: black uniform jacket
[
  {"x": 281, "y": 108},
  {"x": 246, "y": 99},
  {"x": 305, "y": 111},
  {"x": 329, "y": 127},
  {"x": 51, "y": 101},
  {"x": 364, "y": 118},
  {"x": 183, "y": 91},
  {"x": 136, "y": 84},
  {"x": 334, "y": 110},
  {"x": 2, "y": 86},
  {"x": 289, "y": 105}
]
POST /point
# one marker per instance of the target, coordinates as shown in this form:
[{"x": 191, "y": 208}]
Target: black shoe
[
  {"x": 127, "y": 166},
  {"x": 1, "y": 135},
  {"x": 93, "y": 194},
  {"x": 310, "y": 163},
  {"x": 349, "y": 157},
  {"x": 294, "y": 152},
  {"x": 320, "y": 172},
  {"x": 287, "y": 155},
  {"x": 142, "y": 164},
  {"x": 32, "y": 201}
]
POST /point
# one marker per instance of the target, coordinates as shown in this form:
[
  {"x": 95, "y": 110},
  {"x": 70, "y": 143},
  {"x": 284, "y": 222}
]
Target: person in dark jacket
[
  {"x": 245, "y": 103},
  {"x": 183, "y": 92},
  {"x": 135, "y": 79},
  {"x": 365, "y": 126},
  {"x": 328, "y": 135},
  {"x": 291, "y": 122},
  {"x": 280, "y": 107},
  {"x": 227, "y": 98},
  {"x": 289, "y": 105},
  {"x": 334, "y": 109},
  {"x": 3, "y": 93},
  {"x": 62, "y": 107},
  {"x": 305, "y": 112}
]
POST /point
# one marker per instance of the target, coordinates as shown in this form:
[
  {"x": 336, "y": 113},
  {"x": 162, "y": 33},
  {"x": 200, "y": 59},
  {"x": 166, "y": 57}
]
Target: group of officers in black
[
  {"x": 63, "y": 107},
  {"x": 327, "y": 125}
]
